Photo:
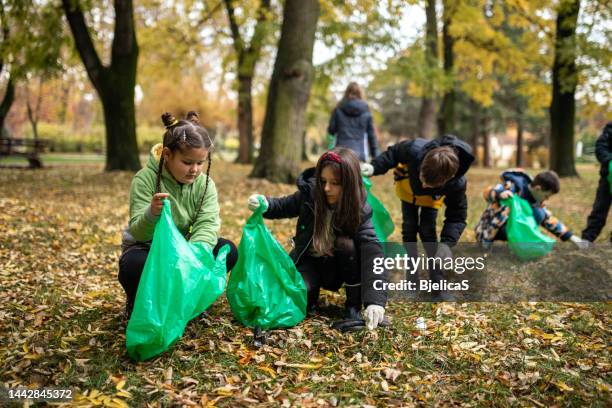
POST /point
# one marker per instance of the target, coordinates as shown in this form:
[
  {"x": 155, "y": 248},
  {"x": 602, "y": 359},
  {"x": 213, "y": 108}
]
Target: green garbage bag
[
  {"x": 524, "y": 236},
  {"x": 179, "y": 281},
  {"x": 383, "y": 224},
  {"x": 610, "y": 175},
  {"x": 331, "y": 141},
  {"x": 265, "y": 289}
]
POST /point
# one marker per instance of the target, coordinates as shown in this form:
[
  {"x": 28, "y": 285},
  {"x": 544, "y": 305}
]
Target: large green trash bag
[
  {"x": 524, "y": 236},
  {"x": 610, "y": 176},
  {"x": 179, "y": 281},
  {"x": 383, "y": 224},
  {"x": 265, "y": 289}
]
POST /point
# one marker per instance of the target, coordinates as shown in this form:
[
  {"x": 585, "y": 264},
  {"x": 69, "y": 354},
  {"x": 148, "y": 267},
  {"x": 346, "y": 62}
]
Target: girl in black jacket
[{"x": 335, "y": 242}]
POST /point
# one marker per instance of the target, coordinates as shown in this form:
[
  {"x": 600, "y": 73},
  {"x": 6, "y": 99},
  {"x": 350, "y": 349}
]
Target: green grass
[{"x": 61, "y": 316}]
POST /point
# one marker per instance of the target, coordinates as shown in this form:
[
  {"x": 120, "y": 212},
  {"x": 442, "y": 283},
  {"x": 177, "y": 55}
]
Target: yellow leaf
[
  {"x": 563, "y": 386},
  {"x": 119, "y": 403},
  {"x": 267, "y": 370}
]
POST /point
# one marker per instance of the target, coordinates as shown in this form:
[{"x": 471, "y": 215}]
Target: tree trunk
[
  {"x": 304, "y": 146},
  {"x": 476, "y": 131},
  {"x": 564, "y": 78},
  {"x": 119, "y": 115},
  {"x": 33, "y": 113},
  {"x": 486, "y": 141},
  {"x": 520, "y": 157},
  {"x": 115, "y": 83},
  {"x": 281, "y": 141},
  {"x": 446, "y": 115},
  {"x": 427, "y": 114},
  {"x": 7, "y": 102},
  {"x": 245, "y": 120},
  {"x": 63, "y": 113},
  {"x": 247, "y": 57}
]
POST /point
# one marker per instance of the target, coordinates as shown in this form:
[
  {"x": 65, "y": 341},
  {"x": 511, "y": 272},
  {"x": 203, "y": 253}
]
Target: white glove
[
  {"x": 443, "y": 251},
  {"x": 253, "y": 202},
  {"x": 366, "y": 169},
  {"x": 579, "y": 242},
  {"x": 374, "y": 315}
]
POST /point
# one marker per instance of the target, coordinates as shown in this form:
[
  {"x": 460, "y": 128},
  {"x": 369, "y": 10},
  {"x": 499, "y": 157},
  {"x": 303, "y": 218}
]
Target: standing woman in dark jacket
[
  {"x": 603, "y": 197},
  {"x": 335, "y": 242},
  {"x": 352, "y": 124}
]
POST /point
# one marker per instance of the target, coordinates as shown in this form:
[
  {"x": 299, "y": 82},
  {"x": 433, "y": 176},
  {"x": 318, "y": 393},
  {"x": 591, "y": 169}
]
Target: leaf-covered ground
[{"x": 61, "y": 318}]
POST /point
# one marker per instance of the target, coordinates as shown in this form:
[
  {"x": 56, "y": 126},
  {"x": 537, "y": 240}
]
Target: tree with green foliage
[
  {"x": 114, "y": 83},
  {"x": 288, "y": 94},
  {"x": 32, "y": 38}
]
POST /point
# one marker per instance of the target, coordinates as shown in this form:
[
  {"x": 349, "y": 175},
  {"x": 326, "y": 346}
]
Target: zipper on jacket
[{"x": 304, "y": 250}]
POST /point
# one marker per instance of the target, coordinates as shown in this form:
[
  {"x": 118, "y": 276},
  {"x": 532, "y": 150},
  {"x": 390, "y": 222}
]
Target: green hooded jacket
[{"x": 184, "y": 200}]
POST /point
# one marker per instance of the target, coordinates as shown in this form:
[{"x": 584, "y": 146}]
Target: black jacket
[
  {"x": 603, "y": 148},
  {"x": 301, "y": 204},
  {"x": 350, "y": 122},
  {"x": 411, "y": 153}
]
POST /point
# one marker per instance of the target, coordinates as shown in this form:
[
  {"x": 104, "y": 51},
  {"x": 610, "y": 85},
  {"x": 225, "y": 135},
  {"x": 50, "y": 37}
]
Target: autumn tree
[
  {"x": 427, "y": 112},
  {"x": 114, "y": 83},
  {"x": 564, "y": 82},
  {"x": 446, "y": 113},
  {"x": 248, "y": 54},
  {"x": 9, "y": 92},
  {"x": 32, "y": 41},
  {"x": 289, "y": 90}
]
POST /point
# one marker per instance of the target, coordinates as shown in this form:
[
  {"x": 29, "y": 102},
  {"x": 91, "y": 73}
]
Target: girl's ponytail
[{"x": 169, "y": 122}]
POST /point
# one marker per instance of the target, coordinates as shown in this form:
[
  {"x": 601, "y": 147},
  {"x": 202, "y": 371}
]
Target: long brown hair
[
  {"x": 352, "y": 91},
  {"x": 183, "y": 135},
  {"x": 347, "y": 214}
]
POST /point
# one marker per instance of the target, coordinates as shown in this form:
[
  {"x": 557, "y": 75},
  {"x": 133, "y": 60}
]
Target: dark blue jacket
[{"x": 351, "y": 122}]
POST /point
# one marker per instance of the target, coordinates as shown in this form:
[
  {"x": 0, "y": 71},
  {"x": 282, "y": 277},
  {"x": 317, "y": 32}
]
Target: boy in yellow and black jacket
[{"x": 429, "y": 174}]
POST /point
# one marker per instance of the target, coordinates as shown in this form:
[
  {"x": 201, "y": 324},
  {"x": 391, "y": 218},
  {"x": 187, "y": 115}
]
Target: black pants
[
  {"x": 132, "y": 263},
  {"x": 330, "y": 272},
  {"x": 599, "y": 213},
  {"x": 421, "y": 221}
]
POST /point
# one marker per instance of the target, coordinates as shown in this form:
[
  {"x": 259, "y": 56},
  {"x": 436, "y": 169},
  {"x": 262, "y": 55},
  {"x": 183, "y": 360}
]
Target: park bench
[{"x": 28, "y": 148}]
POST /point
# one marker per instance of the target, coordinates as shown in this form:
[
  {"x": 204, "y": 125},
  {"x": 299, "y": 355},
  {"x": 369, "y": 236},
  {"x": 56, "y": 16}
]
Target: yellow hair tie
[{"x": 174, "y": 122}]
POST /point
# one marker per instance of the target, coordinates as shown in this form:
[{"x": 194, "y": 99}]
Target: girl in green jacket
[{"x": 173, "y": 172}]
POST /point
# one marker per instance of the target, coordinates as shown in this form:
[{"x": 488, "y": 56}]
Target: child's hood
[
  {"x": 306, "y": 182},
  {"x": 155, "y": 156},
  {"x": 518, "y": 177}
]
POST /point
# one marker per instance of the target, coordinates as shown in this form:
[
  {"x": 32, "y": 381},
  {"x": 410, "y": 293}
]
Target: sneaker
[{"x": 352, "y": 313}]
